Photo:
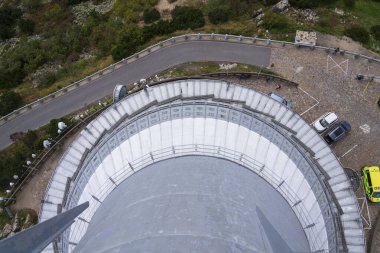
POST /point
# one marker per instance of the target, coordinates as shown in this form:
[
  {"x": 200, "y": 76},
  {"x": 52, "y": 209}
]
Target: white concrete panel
[
  {"x": 263, "y": 101},
  {"x": 220, "y": 134},
  {"x": 285, "y": 119},
  {"x": 176, "y": 126},
  {"x": 262, "y": 150},
  {"x": 252, "y": 144},
  {"x": 164, "y": 92},
  {"x": 197, "y": 88},
  {"x": 190, "y": 88},
  {"x": 157, "y": 93},
  {"x": 136, "y": 148},
  {"x": 217, "y": 89},
  {"x": 155, "y": 136},
  {"x": 256, "y": 100},
  {"x": 269, "y": 105},
  {"x": 166, "y": 134},
  {"x": 237, "y": 92},
  {"x": 126, "y": 106},
  {"x": 184, "y": 89},
  {"x": 241, "y": 139},
  {"x": 109, "y": 117},
  {"x": 188, "y": 131},
  {"x": 104, "y": 122},
  {"x": 250, "y": 96},
  {"x": 199, "y": 130},
  {"x": 210, "y": 129},
  {"x": 223, "y": 91},
  {"x": 231, "y": 135},
  {"x": 281, "y": 112},
  {"x": 230, "y": 91},
  {"x": 281, "y": 162},
  {"x": 273, "y": 152}
]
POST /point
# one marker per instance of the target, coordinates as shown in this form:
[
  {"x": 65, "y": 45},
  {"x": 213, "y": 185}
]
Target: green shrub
[
  {"x": 9, "y": 101},
  {"x": 375, "y": 30},
  {"x": 26, "y": 26},
  {"x": 128, "y": 42},
  {"x": 8, "y": 20},
  {"x": 275, "y": 21},
  {"x": 349, "y": 3},
  {"x": 186, "y": 17},
  {"x": 31, "y": 5},
  {"x": 219, "y": 15},
  {"x": 151, "y": 15},
  {"x": 358, "y": 33},
  {"x": 309, "y": 3}
]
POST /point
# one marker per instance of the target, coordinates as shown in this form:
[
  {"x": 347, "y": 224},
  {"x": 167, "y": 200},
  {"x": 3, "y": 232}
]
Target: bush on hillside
[
  {"x": 26, "y": 26},
  {"x": 357, "y": 33},
  {"x": 275, "y": 21},
  {"x": 219, "y": 14},
  {"x": 187, "y": 17},
  {"x": 127, "y": 43},
  {"x": 9, "y": 101},
  {"x": 375, "y": 30},
  {"x": 349, "y": 3},
  {"x": 8, "y": 20},
  {"x": 151, "y": 15}
]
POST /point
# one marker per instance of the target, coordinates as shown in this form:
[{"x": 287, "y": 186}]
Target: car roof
[
  {"x": 331, "y": 116},
  {"x": 346, "y": 125},
  {"x": 374, "y": 173}
]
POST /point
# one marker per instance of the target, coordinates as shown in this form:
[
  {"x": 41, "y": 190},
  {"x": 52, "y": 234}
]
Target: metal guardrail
[{"x": 167, "y": 43}]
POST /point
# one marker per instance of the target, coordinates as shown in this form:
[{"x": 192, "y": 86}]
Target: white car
[{"x": 325, "y": 121}]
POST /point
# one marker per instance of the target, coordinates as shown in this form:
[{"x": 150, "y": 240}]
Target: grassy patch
[{"x": 199, "y": 68}]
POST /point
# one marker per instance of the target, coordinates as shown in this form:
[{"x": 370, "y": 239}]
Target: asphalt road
[{"x": 141, "y": 68}]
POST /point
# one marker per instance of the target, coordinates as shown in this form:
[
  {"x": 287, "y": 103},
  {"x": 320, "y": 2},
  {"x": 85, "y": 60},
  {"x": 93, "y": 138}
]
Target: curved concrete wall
[{"x": 256, "y": 132}]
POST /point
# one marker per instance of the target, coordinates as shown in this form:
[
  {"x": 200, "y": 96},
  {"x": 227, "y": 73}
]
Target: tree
[
  {"x": 8, "y": 19},
  {"x": 358, "y": 33},
  {"x": 219, "y": 14},
  {"x": 128, "y": 42},
  {"x": 186, "y": 17},
  {"x": 150, "y": 15},
  {"x": 9, "y": 101}
]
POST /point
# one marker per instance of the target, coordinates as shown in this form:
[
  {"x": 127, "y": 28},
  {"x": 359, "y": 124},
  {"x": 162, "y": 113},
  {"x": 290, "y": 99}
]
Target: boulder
[{"x": 280, "y": 6}]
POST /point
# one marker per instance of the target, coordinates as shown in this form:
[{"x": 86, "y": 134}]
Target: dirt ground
[{"x": 32, "y": 193}]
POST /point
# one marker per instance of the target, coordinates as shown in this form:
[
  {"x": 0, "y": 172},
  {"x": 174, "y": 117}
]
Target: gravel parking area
[{"x": 335, "y": 91}]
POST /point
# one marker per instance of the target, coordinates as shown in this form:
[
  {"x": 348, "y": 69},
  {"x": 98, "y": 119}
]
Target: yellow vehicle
[{"x": 371, "y": 182}]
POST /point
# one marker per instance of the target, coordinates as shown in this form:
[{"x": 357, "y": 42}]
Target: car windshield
[
  {"x": 323, "y": 122},
  {"x": 376, "y": 195}
]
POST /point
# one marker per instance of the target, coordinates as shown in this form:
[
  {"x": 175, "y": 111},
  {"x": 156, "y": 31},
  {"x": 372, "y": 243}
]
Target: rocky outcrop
[{"x": 280, "y": 6}]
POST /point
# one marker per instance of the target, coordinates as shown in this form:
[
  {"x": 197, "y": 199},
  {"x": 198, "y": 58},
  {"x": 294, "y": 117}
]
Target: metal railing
[{"x": 167, "y": 43}]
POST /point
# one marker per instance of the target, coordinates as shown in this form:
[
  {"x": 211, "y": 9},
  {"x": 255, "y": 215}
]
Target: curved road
[{"x": 141, "y": 68}]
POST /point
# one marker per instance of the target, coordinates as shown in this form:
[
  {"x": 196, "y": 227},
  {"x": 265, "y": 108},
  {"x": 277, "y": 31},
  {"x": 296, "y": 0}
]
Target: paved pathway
[{"x": 141, "y": 68}]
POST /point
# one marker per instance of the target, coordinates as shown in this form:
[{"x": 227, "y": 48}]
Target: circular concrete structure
[
  {"x": 172, "y": 127},
  {"x": 201, "y": 203}
]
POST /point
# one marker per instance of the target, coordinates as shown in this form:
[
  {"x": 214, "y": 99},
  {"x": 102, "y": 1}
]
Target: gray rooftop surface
[{"x": 194, "y": 204}]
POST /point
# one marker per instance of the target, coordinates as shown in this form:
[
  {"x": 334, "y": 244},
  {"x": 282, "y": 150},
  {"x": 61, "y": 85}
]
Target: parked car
[
  {"x": 371, "y": 182},
  {"x": 338, "y": 132},
  {"x": 325, "y": 121},
  {"x": 280, "y": 99}
]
